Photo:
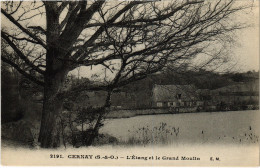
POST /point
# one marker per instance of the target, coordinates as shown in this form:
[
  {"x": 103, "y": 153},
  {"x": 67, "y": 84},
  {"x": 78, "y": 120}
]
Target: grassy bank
[
  {"x": 132, "y": 113},
  {"x": 127, "y": 113}
]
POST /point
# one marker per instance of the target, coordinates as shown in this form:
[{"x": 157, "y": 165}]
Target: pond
[{"x": 233, "y": 127}]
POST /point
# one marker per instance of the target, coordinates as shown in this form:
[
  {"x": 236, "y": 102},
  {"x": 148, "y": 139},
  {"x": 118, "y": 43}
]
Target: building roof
[{"x": 166, "y": 93}]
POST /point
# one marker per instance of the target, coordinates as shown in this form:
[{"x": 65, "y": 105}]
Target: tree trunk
[
  {"x": 50, "y": 130},
  {"x": 104, "y": 110},
  {"x": 52, "y": 106}
]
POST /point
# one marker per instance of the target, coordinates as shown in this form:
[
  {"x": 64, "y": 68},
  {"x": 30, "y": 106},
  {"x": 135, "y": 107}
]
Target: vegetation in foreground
[{"x": 161, "y": 134}]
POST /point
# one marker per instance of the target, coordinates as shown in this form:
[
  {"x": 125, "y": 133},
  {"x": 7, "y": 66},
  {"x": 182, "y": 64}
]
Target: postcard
[{"x": 130, "y": 83}]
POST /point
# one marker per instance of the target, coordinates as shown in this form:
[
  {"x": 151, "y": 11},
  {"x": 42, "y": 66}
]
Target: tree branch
[
  {"x": 62, "y": 6},
  {"x": 75, "y": 25},
  {"x": 23, "y": 29},
  {"x": 20, "y": 39},
  {"x": 20, "y": 54},
  {"x": 102, "y": 28},
  {"x": 25, "y": 74}
]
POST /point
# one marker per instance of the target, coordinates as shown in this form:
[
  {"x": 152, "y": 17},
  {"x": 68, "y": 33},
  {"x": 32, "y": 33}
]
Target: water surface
[{"x": 236, "y": 127}]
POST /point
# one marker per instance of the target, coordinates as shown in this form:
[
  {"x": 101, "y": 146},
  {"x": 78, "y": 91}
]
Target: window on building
[
  {"x": 178, "y": 96},
  {"x": 159, "y": 104}
]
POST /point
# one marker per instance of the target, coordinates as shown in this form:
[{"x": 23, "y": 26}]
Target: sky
[{"x": 247, "y": 52}]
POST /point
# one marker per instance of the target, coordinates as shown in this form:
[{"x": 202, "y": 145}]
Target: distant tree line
[{"x": 200, "y": 79}]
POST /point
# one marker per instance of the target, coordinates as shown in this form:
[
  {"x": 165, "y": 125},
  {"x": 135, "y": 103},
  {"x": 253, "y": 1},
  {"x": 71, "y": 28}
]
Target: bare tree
[{"x": 129, "y": 39}]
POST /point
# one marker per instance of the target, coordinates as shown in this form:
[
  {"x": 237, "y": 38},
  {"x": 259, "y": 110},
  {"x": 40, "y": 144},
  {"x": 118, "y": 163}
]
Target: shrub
[{"x": 78, "y": 125}]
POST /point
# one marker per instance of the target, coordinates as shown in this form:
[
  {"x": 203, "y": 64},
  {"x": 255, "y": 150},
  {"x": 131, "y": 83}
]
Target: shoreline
[{"x": 134, "y": 113}]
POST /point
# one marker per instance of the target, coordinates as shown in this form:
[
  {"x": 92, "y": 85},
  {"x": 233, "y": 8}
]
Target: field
[{"x": 234, "y": 127}]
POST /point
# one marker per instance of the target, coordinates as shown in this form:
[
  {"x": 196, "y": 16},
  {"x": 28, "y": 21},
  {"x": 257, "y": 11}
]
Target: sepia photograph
[{"x": 130, "y": 83}]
